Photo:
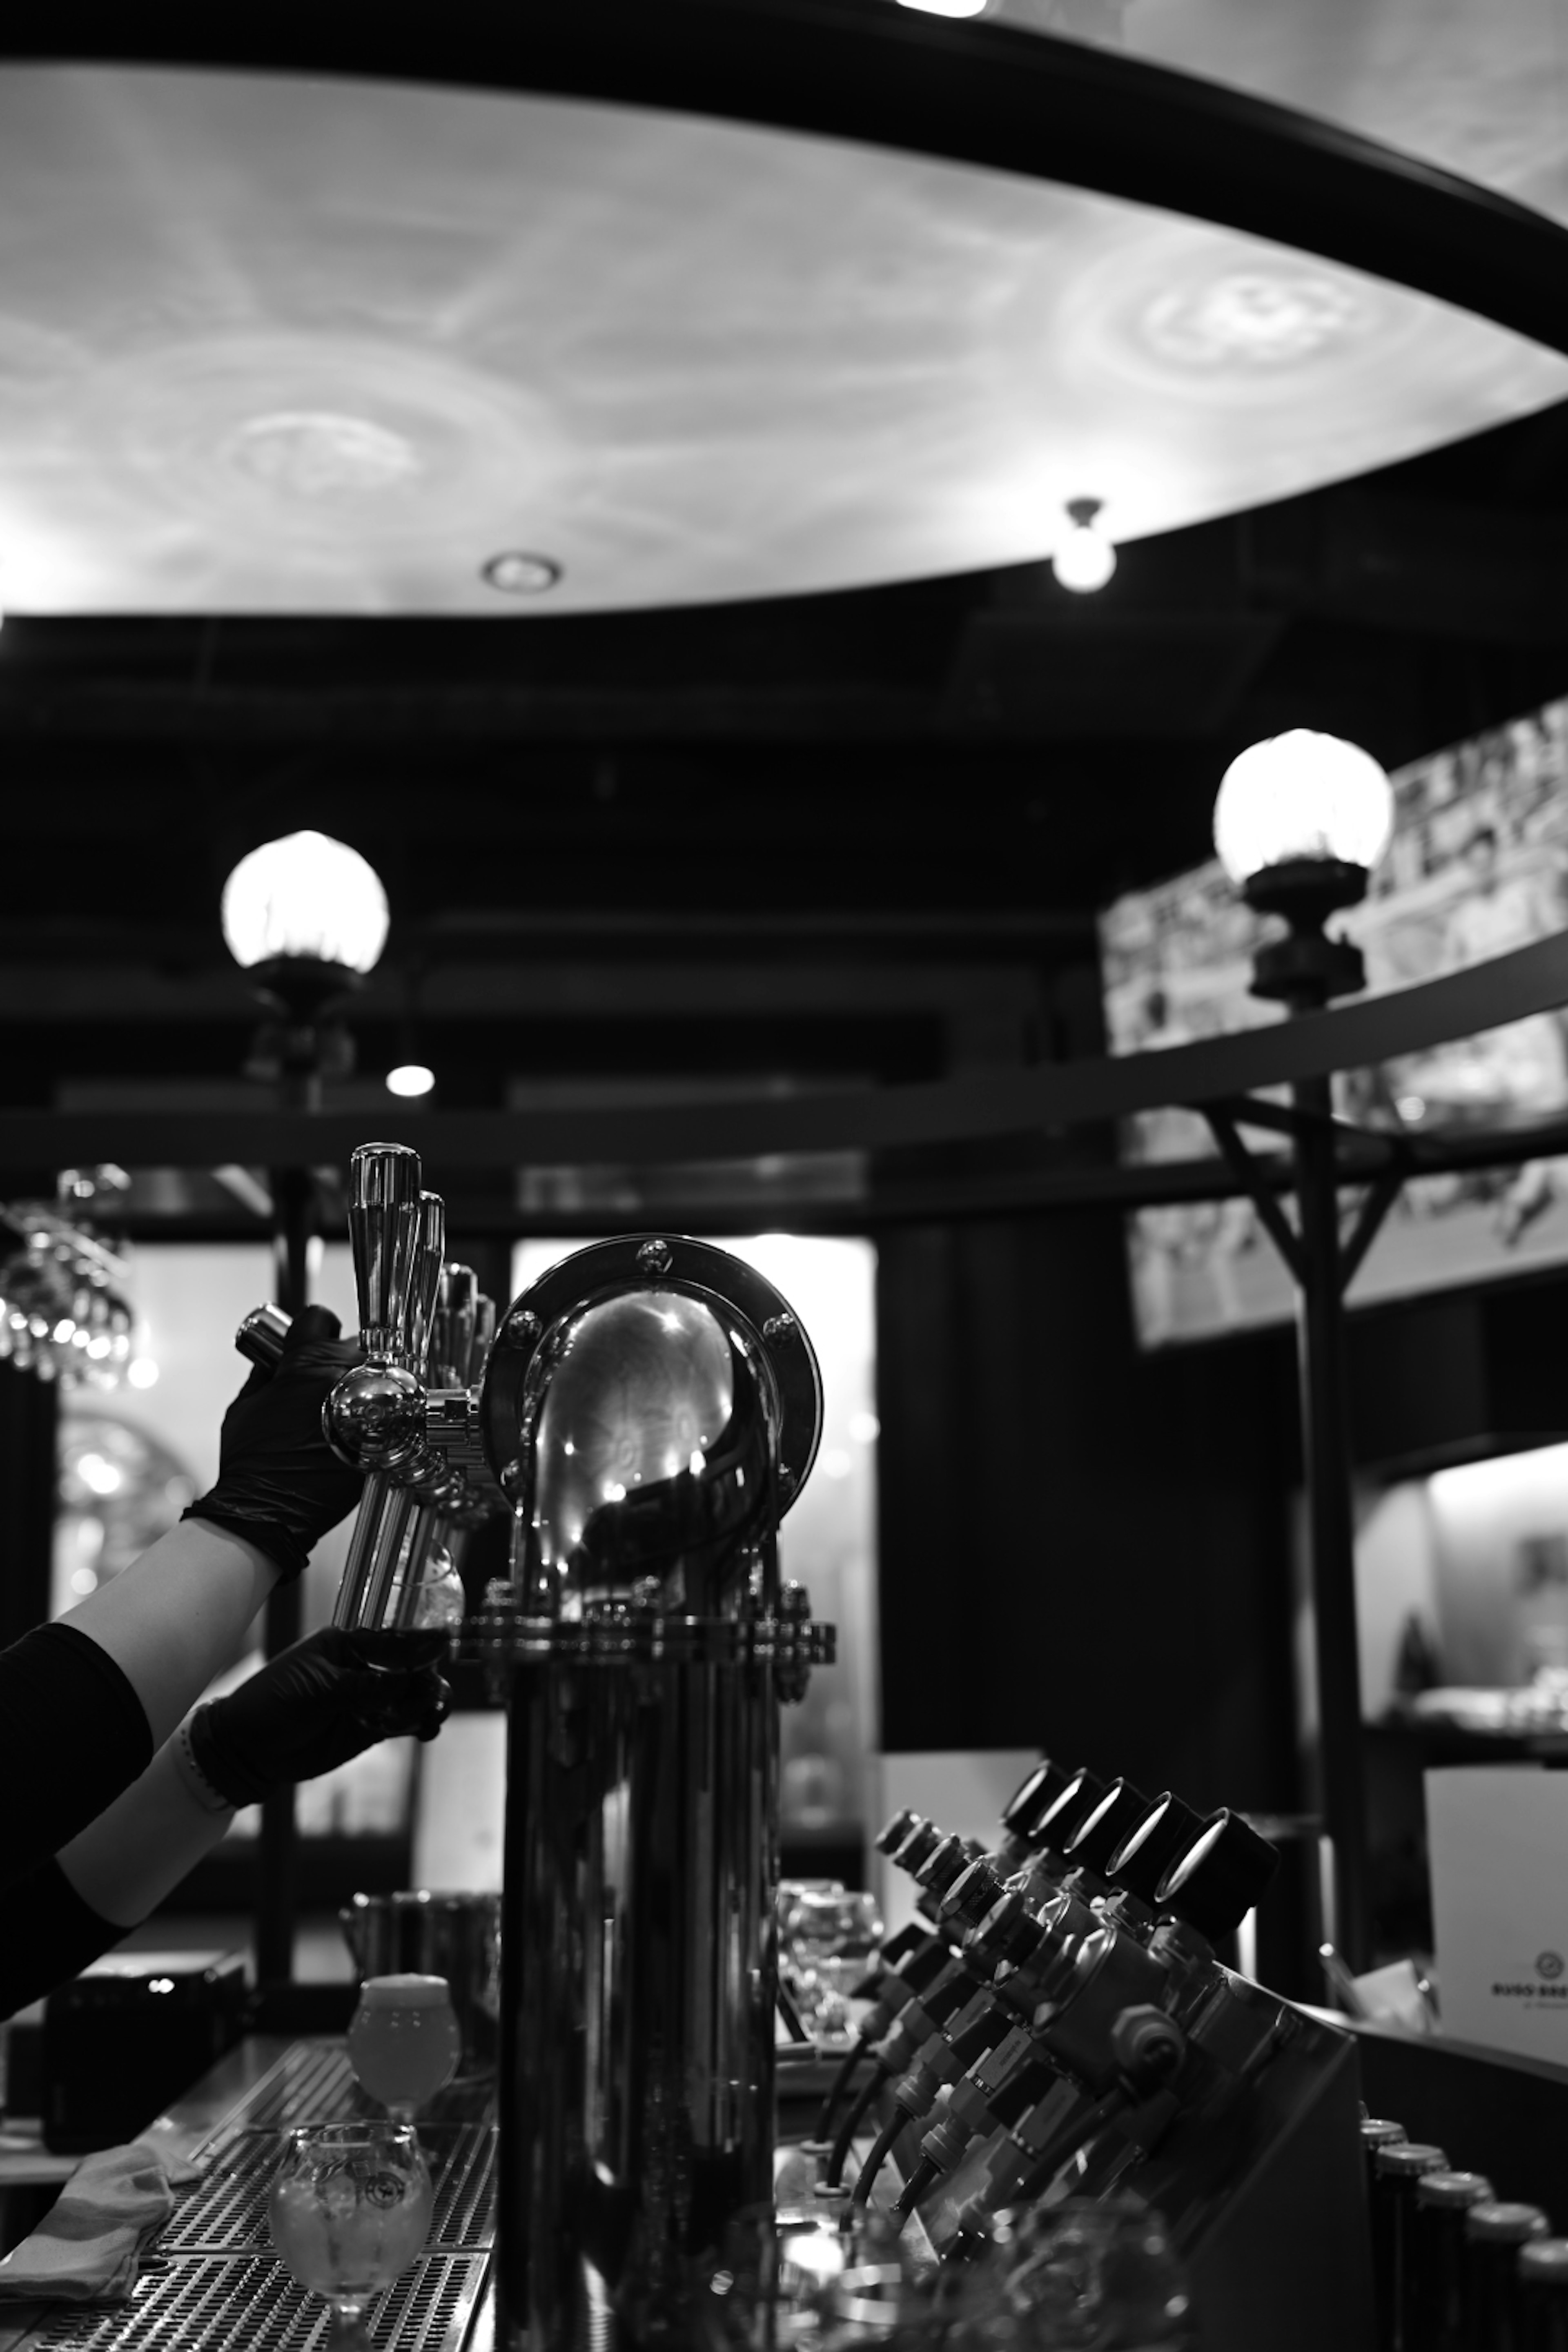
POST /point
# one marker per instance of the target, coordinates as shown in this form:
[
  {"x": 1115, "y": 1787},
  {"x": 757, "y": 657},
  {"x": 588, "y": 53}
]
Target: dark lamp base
[
  {"x": 1305, "y": 970},
  {"x": 301, "y": 987},
  {"x": 1306, "y": 890}
]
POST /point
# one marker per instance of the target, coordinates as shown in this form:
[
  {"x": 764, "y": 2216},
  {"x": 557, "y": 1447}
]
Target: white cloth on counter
[{"x": 88, "y": 2247}]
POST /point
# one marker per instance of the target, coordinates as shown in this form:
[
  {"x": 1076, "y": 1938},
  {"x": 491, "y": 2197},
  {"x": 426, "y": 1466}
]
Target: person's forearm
[
  {"x": 178, "y": 1615},
  {"x": 125, "y": 1862}
]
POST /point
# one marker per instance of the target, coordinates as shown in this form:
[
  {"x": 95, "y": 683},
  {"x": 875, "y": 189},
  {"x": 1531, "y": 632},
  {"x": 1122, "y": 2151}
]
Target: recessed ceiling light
[{"x": 516, "y": 574}]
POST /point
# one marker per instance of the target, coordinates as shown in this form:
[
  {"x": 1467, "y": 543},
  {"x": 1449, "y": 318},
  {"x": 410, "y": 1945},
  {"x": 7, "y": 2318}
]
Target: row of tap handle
[
  {"x": 407, "y": 1416},
  {"x": 1058, "y": 1986}
]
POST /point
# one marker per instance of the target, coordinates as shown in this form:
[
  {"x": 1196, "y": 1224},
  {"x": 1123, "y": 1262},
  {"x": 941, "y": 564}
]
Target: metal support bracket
[{"x": 1386, "y": 1180}]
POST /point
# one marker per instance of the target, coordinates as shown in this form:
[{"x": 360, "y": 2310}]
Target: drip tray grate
[
  {"x": 313, "y": 2083},
  {"x": 240, "y": 2303},
  {"x": 228, "y": 2209}
]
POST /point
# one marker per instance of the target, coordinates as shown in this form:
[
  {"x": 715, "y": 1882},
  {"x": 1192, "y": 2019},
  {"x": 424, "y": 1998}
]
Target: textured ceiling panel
[{"x": 325, "y": 347}]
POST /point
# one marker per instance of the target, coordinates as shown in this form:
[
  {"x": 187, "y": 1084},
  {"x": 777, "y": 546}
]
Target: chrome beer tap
[
  {"x": 375, "y": 1416},
  {"x": 417, "y": 1440},
  {"x": 449, "y": 1499}
]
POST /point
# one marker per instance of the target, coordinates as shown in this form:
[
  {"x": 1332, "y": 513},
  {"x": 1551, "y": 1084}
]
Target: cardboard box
[{"x": 1499, "y": 1841}]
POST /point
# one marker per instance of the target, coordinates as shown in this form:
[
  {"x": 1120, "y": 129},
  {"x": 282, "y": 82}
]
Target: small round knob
[
  {"x": 892, "y": 1836},
  {"x": 1140, "y": 1863},
  {"x": 1034, "y": 1795},
  {"x": 971, "y": 1895},
  {"x": 1104, "y": 1826},
  {"x": 1148, "y": 2044},
  {"x": 942, "y": 1864},
  {"x": 1007, "y": 1932},
  {"x": 1058, "y": 1823},
  {"x": 1222, "y": 1876},
  {"x": 923, "y": 1839}
]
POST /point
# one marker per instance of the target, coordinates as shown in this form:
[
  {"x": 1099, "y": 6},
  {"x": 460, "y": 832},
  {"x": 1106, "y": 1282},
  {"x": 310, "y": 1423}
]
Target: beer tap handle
[
  {"x": 431, "y": 1527},
  {"x": 384, "y": 1511},
  {"x": 459, "y": 1292},
  {"x": 384, "y": 1228},
  {"x": 260, "y": 1337},
  {"x": 483, "y": 1340},
  {"x": 425, "y": 1283}
]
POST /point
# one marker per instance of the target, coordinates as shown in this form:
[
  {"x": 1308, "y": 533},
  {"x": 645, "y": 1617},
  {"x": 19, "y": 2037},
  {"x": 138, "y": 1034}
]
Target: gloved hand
[
  {"x": 328, "y": 1699},
  {"x": 279, "y": 1484}
]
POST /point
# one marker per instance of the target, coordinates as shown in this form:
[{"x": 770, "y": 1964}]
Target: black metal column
[
  {"x": 294, "y": 1222},
  {"x": 1325, "y": 1445}
]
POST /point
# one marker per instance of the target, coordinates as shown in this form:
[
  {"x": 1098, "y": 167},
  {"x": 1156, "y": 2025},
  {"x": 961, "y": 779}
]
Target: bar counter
[{"x": 211, "y": 2280}]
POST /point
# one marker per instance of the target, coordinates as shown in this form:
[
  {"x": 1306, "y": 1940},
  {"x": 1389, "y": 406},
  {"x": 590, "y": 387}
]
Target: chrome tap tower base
[
  {"x": 639, "y": 2002},
  {"x": 647, "y": 1414},
  {"x": 651, "y": 1407}
]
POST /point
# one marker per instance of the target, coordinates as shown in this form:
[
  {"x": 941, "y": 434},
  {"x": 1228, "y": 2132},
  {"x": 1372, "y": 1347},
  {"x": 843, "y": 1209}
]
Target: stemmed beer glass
[
  {"x": 350, "y": 2208},
  {"x": 404, "y": 2042}
]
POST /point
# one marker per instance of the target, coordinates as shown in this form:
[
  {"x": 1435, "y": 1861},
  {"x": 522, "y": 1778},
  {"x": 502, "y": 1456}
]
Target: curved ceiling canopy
[{"x": 320, "y": 343}]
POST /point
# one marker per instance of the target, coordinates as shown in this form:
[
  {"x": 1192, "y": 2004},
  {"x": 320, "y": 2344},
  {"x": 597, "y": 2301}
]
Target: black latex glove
[
  {"x": 279, "y": 1484},
  {"x": 328, "y": 1699}
]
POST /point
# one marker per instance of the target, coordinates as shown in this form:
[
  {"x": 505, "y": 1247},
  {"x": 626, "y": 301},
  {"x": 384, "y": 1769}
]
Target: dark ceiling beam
[
  {"x": 624, "y": 935},
  {"x": 1060, "y": 111},
  {"x": 399, "y": 718},
  {"x": 1013, "y": 1102},
  {"x": 98, "y": 991},
  {"x": 1423, "y": 566}
]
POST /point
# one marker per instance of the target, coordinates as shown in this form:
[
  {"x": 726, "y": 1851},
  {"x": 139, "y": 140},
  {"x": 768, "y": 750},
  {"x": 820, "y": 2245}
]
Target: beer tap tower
[{"x": 647, "y": 1412}]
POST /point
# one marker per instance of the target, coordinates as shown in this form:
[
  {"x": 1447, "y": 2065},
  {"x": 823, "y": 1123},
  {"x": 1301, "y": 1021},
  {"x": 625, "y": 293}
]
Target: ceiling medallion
[
  {"x": 316, "y": 454},
  {"x": 1264, "y": 319}
]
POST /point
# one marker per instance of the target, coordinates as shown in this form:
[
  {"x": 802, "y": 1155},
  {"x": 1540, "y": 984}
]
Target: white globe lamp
[
  {"x": 305, "y": 918},
  {"x": 1300, "y": 823},
  {"x": 1301, "y": 795},
  {"x": 305, "y": 897}
]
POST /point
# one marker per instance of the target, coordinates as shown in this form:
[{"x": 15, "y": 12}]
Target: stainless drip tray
[
  {"x": 313, "y": 2083},
  {"x": 226, "y": 2211},
  {"x": 249, "y": 2303}
]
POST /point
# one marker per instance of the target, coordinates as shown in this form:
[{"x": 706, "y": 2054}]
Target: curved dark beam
[
  {"x": 868, "y": 71},
  {"x": 1058, "y": 1095}
]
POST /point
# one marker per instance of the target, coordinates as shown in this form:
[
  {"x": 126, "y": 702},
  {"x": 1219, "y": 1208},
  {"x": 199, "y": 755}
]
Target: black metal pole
[
  {"x": 294, "y": 1222},
  {"x": 1325, "y": 1443}
]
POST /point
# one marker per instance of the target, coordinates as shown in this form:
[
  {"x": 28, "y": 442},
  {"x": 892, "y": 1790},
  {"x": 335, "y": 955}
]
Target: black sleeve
[
  {"x": 73, "y": 1734},
  {"x": 51, "y": 1934}
]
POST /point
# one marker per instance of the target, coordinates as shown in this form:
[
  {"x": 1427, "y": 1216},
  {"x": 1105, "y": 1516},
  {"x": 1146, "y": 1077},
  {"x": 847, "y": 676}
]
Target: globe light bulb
[
  {"x": 1301, "y": 795},
  {"x": 1084, "y": 559},
  {"x": 305, "y": 896},
  {"x": 410, "y": 1078}
]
